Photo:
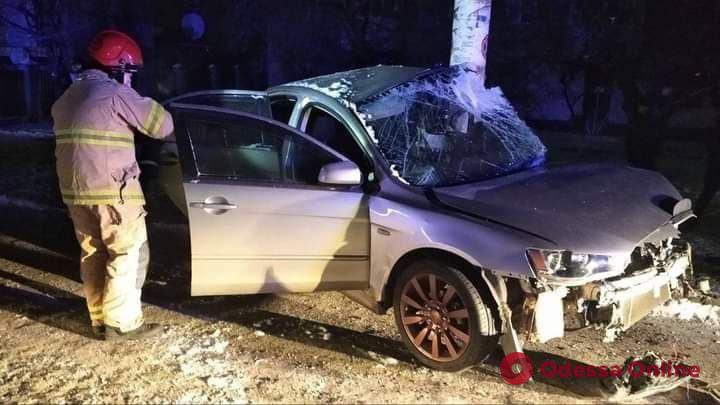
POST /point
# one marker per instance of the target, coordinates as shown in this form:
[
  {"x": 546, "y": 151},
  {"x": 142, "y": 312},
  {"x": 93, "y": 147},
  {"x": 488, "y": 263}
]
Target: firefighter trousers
[{"x": 113, "y": 261}]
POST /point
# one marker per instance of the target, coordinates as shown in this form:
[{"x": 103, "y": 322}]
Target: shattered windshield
[{"x": 448, "y": 129}]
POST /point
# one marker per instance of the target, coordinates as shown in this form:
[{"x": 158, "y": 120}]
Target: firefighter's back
[{"x": 94, "y": 151}]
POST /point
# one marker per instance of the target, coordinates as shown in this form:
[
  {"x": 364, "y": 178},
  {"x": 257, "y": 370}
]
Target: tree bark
[{"x": 471, "y": 26}]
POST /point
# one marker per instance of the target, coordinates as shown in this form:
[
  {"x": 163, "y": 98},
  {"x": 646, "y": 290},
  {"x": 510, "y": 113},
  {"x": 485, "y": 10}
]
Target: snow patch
[
  {"x": 363, "y": 118},
  {"x": 689, "y": 310},
  {"x": 206, "y": 358},
  {"x": 218, "y": 382},
  {"x": 341, "y": 89},
  {"x": 267, "y": 322},
  {"x": 315, "y": 385},
  {"x": 384, "y": 360}
]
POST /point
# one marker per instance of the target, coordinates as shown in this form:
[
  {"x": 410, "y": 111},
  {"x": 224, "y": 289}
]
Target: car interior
[
  {"x": 255, "y": 151},
  {"x": 326, "y": 129},
  {"x": 234, "y": 150},
  {"x": 282, "y": 109}
]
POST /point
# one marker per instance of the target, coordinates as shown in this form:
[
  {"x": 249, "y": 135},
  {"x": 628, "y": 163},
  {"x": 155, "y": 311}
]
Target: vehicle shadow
[
  {"x": 580, "y": 387},
  {"x": 45, "y": 304},
  {"x": 583, "y": 387},
  {"x": 308, "y": 332}
]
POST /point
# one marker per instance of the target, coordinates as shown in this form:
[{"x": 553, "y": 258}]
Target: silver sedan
[{"x": 410, "y": 189}]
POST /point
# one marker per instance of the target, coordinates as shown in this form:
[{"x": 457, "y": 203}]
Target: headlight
[{"x": 566, "y": 264}]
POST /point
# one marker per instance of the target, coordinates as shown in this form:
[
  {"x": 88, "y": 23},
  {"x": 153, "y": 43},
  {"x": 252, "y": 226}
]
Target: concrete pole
[{"x": 471, "y": 26}]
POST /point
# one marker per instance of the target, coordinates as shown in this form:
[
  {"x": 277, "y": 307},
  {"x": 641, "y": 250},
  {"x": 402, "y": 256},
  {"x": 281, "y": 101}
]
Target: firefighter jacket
[{"x": 95, "y": 149}]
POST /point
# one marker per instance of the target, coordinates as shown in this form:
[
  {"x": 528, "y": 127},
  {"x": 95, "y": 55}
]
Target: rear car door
[{"x": 259, "y": 220}]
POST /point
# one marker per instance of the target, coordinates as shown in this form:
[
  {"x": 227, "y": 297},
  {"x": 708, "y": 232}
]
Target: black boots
[{"x": 98, "y": 331}]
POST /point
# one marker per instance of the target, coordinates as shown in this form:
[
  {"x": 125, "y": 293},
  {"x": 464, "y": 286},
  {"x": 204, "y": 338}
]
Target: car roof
[{"x": 358, "y": 84}]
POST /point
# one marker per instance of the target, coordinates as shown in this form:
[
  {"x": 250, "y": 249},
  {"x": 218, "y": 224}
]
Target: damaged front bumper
[
  {"x": 618, "y": 302},
  {"x": 629, "y": 299}
]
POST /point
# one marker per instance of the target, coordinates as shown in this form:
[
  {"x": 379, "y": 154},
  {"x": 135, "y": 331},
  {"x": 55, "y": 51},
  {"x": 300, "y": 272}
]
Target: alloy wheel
[{"x": 435, "y": 317}]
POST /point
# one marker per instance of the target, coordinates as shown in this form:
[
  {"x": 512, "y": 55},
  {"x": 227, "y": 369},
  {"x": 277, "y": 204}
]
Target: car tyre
[{"x": 442, "y": 317}]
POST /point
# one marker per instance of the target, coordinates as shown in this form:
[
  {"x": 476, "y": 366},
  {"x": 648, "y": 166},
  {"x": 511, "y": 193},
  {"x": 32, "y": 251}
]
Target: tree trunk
[{"x": 471, "y": 25}]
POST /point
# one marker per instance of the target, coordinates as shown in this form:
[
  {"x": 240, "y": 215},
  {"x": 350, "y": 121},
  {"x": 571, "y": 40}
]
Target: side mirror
[{"x": 340, "y": 173}]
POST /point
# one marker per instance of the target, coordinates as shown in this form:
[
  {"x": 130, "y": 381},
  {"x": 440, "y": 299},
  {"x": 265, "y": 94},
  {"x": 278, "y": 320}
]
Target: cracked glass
[{"x": 447, "y": 129}]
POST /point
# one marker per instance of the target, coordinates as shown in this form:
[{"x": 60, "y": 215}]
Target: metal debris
[{"x": 637, "y": 381}]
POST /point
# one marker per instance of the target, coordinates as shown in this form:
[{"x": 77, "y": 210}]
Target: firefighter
[{"x": 94, "y": 124}]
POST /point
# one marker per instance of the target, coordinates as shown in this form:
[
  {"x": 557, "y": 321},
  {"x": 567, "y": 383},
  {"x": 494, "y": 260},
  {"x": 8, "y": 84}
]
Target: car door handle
[{"x": 213, "y": 206}]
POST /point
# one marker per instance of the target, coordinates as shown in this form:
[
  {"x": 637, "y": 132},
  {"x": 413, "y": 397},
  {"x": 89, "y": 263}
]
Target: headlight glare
[
  {"x": 554, "y": 261},
  {"x": 566, "y": 264},
  {"x": 579, "y": 259}
]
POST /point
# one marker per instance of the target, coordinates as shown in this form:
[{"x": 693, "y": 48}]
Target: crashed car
[{"x": 421, "y": 191}]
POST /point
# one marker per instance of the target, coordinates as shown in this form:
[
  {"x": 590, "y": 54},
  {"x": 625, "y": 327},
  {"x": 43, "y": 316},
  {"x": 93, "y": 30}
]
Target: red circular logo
[{"x": 516, "y": 368}]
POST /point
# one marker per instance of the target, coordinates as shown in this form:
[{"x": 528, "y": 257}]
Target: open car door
[
  {"x": 170, "y": 175},
  {"x": 260, "y": 222},
  {"x": 247, "y": 101}
]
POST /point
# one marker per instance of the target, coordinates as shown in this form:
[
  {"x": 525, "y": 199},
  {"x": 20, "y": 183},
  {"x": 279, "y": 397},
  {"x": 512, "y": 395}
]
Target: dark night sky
[{"x": 538, "y": 49}]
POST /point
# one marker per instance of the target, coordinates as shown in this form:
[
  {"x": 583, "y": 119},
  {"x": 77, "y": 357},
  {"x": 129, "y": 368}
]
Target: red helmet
[{"x": 116, "y": 51}]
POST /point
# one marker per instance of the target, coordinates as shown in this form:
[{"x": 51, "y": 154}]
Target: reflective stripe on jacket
[{"x": 95, "y": 148}]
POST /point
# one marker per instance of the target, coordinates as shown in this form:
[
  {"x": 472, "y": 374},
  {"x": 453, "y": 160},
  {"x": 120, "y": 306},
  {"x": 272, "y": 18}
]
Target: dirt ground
[{"x": 289, "y": 348}]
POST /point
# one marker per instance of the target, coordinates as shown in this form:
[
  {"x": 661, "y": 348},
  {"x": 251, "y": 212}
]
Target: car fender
[{"x": 398, "y": 230}]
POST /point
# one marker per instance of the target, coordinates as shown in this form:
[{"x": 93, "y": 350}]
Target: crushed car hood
[{"x": 596, "y": 208}]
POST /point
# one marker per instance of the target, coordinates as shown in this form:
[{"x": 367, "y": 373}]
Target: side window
[
  {"x": 247, "y": 103},
  {"x": 326, "y": 129},
  {"x": 304, "y": 161},
  {"x": 282, "y": 108},
  {"x": 246, "y": 148},
  {"x": 238, "y": 148}
]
